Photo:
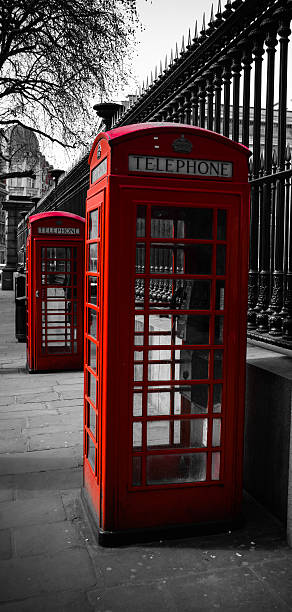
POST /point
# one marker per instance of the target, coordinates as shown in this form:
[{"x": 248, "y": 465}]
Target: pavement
[{"x": 49, "y": 556}]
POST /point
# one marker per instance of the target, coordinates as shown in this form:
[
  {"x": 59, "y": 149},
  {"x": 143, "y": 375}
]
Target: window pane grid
[
  {"x": 157, "y": 280},
  {"x": 92, "y": 285}
]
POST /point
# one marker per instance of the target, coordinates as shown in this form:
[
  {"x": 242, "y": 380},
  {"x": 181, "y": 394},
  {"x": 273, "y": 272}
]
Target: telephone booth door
[
  {"x": 56, "y": 294},
  {"x": 166, "y": 268}
]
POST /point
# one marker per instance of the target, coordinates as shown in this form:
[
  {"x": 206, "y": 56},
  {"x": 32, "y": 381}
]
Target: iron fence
[{"x": 219, "y": 81}]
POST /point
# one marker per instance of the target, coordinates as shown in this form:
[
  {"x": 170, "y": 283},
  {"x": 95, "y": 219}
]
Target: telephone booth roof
[
  {"x": 44, "y": 215},
  {"x": 129, "y": 132}
]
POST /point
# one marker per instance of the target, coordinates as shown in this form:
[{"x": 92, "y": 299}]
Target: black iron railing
[{"x": 219, "y": 82}]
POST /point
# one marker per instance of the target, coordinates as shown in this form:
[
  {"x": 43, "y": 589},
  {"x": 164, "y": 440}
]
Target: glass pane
[
  {"x": 191, "y": 399},
  {"x": 194, "y": 329},
  {"x": 137, "y": 471},
  {"x": 93, "y": 224},
  {"x": 138, "y": 372},
  {"x": 184, "y": 365},
  {"x": 137, "y": 404},
  {"x": 219, "y": 302},
  {"x": 137, "y": 435},
  {"x": 140, "y": 258},
  {"x": 191, "y": 433},
  {"x": 181, "y": 222},
  {"x": 159, "y": 371},
  {"x": 221, "y": 225},
  {"x": 91, "y": 355},
  {"x": 91, "y": 452},
  {"x": 168, "y": 329},
  {"x": 216, "y": 432},
  {"x": 141, "y": 221},
  {"x": 92, "y": 257},
  {"x": 158, "y": 433},
  {"x": 220, "y": 259},
  {"x": 58, "y": 265},
  {"x": 91, "y": 387},
  {"x": 139, "y": 330},
  {"x": 219, "y": 324},
  {"x": 200, "y": 365},
  {"x": 179, "y": 294},
  {"x": 91, "y": 418},
  {"x": 139, "y": 293},
  {"x": 217, "y": 398},
  {"x": 179, "y": 259},
  {"x": 54, "y": 292},
  {"x": 216, "y": 466},
  {"x": 163, "y": 469},
  {"x": 92, "y": 322},
  {"x": 218, "y": 363},
  {"x": 59, "y": 279},
  {"x": 92, "y": 289},
  {"x": 58, "y": 252}
]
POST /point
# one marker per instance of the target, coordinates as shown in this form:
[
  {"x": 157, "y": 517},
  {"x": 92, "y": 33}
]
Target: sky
[{"x": 164, "y": 24}]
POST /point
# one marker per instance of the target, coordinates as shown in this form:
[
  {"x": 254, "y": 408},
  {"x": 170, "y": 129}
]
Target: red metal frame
[
  {"x": 120, "y": 503},
  {"x": 55, "y": 255}
]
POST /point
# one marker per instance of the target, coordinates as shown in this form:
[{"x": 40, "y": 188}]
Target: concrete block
[{"x": 267, "y": 435}]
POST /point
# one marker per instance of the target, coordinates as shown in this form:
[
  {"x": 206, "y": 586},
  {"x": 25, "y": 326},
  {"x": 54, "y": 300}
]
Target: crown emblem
[{"x": 182, "y": 145}]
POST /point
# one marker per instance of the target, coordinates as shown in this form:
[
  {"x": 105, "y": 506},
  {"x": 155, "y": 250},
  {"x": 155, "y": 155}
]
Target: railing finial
[
  {"x": 183, "y": 49},
  {"x": 166, "y": 63},
  {"x": 189, "y": 39}
]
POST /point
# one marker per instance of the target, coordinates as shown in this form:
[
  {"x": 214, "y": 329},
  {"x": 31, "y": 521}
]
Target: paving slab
[
  {"x": 60, "y": 440},
  {"x": 31, "y": 576},
  {"x": 39, "y": 484},
  {"x": 56, "y": 428},
  {"x": 11, "y": 444},
  {"x": 38, "y": 461},
  {"x": 45, "y": 539},
  {"x": 47, "y": 396},
  {"x": 134, "y": 597},
  {"x": 62, "y": 601},
  {"x": 245, "y": 592},
  {"x": 23, "y": 406},
  {"x": 27, "y": 512},
  {"x": 5, "y": 544}
]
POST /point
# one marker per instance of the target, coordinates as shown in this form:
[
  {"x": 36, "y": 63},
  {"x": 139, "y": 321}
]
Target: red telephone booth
[
  {"x": 167, "y": 249},
  {"x": 55, "y": 276}
]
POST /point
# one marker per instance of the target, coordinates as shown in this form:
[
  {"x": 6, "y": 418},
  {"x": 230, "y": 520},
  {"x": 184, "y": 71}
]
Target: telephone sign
[{"x": 165, "y": 329}]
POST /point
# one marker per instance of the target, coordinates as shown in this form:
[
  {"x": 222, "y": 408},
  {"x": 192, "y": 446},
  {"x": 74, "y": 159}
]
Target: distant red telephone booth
[
  {"x": 55, "y": 277},
  {"x": 165, "y": 326}
]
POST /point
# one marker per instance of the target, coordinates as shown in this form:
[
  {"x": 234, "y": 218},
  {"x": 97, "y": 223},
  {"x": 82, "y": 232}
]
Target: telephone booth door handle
[{"x": 37, "y": 293}]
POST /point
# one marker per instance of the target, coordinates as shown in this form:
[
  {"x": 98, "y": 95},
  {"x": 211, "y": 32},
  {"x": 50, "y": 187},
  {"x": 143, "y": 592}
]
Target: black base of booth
[{"x": 152, "y": 534}]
